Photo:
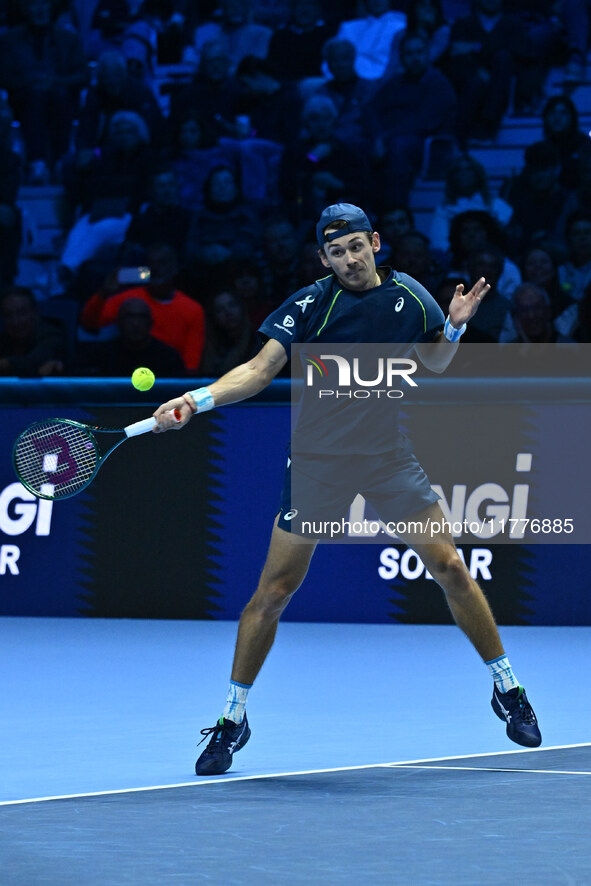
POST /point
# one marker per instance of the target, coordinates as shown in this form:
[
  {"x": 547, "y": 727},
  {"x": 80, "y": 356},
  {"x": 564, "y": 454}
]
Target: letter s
[{"x": 389, "y": 559}]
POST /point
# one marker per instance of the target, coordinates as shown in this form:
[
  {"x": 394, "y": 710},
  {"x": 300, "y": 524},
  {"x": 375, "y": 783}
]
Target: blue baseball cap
[{"x": 355, "y": 218}]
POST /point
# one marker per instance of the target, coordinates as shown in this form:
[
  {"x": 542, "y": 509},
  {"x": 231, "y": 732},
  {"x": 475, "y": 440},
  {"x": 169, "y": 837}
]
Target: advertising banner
[{"x": 177, "y": 525}]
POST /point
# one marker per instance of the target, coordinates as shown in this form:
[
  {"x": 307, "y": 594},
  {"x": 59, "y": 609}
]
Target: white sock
[
  {"x": 236, "y": 700},
  {"x": 502, "y": 673}
]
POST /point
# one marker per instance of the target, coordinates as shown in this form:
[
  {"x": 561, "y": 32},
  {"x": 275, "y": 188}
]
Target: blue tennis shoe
[
  {"x": 515, "y": 709},
  {"x": 227, "y": 737}
]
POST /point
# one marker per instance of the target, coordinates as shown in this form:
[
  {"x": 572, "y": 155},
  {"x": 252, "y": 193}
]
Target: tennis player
[{"x": 356, "y": 302}]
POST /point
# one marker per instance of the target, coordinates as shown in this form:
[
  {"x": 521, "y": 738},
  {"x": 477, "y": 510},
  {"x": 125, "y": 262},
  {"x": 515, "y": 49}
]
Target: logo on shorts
[{"x": 290, "y": 514}]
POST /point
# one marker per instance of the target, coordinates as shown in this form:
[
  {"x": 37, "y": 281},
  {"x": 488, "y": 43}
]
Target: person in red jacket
[{"x": 179, "y": 320}]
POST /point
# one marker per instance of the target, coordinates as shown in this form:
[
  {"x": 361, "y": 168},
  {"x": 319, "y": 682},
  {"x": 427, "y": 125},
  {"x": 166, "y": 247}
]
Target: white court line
[
  {"x": 512, "y": 752},
  {"x": 493, "y": 769},
  {"x": 411, "y": 764}
]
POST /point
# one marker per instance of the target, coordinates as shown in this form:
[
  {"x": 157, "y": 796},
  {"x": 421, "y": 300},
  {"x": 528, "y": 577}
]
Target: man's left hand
[{"x": 463, "y": 305}]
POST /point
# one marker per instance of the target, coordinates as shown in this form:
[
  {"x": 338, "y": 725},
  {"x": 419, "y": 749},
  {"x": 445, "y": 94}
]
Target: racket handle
[{"x": 147, "y": 424}]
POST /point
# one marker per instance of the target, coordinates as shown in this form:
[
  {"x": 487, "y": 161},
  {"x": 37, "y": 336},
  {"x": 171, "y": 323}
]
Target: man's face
[
  {"x": 532, "y": 312},
  {"x": 320, "y": 125},
  {"x": 538, "y": 267},
  {"x": 214, "y": 63},
  {"x": 341, "y": 61},
  {"x": 222, "y": 187},
  {"x": 135, "y": 321},
  {"x": 414, "y": 56},
  {"x": 559, "y": 118},
  {"x": 125, "y": 136},
  {"x": 165, "y": 190},
  {"x": 163, "y": 267},
  {"x": 190, "y": 135},
  {"x": 353, "y": 259},
  {"x": 226, "y": 312}
]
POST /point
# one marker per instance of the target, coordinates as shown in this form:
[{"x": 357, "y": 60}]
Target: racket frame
[{"x": 140, "y": 427}]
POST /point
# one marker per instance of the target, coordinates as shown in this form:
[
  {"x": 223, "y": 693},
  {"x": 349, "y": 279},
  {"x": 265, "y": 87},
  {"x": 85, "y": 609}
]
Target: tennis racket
[{"x": 57, "y": 457}]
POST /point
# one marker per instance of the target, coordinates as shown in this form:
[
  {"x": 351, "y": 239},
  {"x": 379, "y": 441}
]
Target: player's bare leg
[
  {"x": 465, "y": 598},
  {"x": 473, "y": 615},
  {"x": 284, "y": 571}
]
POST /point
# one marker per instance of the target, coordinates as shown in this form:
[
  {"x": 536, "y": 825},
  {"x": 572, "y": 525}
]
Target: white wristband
[
  {"x": 451, "y": 333},
  {"x": 203, "y": 399}
]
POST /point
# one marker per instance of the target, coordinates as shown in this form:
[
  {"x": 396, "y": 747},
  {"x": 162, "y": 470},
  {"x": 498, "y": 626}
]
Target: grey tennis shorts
[{"x": 321, "y": 488}]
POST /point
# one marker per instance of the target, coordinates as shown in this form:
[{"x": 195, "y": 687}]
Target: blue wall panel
[{"x": 177, "y": 526}]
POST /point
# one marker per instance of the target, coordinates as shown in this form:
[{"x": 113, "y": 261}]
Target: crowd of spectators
[{"x": 213, "y": 177}]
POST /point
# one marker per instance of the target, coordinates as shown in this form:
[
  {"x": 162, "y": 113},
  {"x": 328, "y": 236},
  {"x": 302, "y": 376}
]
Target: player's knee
[
  {"x": 449, "y": 570},
  {"x": 273, "y": 595}
]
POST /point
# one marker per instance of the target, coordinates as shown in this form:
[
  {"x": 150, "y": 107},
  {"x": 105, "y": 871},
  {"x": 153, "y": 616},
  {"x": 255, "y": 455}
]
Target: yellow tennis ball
[{"x": 143, "y": 379}]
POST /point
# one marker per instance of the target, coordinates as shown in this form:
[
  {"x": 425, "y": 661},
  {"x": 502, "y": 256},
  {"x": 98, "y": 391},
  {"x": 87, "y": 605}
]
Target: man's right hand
[{"x": 165, "y": 418}]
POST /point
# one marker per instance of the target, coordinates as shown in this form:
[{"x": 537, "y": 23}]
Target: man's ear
[
  {"x": 375, "y": 242},
  {"x": 323, "y": 258}
]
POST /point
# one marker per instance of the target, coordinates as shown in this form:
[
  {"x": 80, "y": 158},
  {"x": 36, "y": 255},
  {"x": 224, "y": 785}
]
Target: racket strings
[{"x": 55, "y": 458}]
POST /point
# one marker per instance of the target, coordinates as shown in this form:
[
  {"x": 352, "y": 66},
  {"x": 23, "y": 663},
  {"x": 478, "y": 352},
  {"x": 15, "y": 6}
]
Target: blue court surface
[{"x": 375, "y": 758}]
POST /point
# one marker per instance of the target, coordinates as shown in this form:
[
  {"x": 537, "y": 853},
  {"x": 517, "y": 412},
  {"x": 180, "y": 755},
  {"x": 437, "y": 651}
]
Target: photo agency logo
[{"x": 338, "y": 377}]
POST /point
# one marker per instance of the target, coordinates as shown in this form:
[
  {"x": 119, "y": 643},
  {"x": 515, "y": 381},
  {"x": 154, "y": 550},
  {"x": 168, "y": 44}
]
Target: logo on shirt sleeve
[
  {"x": 302, "y": 303},
  {"x": 286, "y": 324}
]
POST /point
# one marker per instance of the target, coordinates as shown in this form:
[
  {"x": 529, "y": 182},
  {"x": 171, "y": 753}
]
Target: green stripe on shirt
[
  {"x": 418, "y": 299},
  {"x": 329, "y": 310}
]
